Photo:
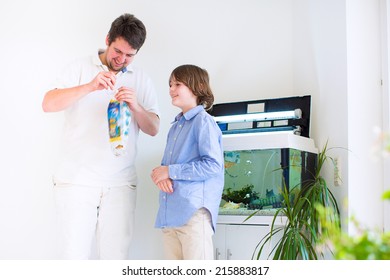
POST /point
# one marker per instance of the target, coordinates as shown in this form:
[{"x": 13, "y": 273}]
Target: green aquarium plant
[
  {"x": 244, "y": 195},
  {"x": 297, "y": 239}
]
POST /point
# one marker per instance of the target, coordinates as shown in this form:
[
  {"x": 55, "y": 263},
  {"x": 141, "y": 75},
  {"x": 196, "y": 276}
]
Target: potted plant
[
  {"x": 366, "y": 244},
  {"x": 304, "y": 227}
]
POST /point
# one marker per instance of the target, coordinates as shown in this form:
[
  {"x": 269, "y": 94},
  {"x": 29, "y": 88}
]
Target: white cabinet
[{"x": 238, "y": 241}]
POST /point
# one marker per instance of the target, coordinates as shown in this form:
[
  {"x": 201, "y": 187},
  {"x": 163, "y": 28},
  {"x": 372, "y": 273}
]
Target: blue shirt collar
[{"x": 190, "y": 114}]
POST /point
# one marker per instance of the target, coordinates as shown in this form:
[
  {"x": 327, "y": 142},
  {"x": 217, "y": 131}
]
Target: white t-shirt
[{"x": 86, "y": 157}]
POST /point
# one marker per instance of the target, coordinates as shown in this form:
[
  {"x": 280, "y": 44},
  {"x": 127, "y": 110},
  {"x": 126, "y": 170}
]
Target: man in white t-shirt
[{"x": 95, "y": 190}]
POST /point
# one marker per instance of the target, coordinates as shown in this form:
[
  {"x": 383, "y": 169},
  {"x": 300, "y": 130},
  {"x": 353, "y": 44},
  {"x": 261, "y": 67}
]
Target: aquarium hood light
[{"x": 266, "y": 116}]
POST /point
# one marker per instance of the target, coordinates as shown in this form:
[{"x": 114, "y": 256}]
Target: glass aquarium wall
[{"x": 254, "y": 178}]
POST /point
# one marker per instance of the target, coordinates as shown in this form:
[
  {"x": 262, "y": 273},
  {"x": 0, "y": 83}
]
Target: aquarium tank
[
  {"x": 254, "y": 178},
  {"x": 267, "y": 146}
]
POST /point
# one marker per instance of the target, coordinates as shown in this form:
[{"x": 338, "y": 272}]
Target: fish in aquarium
[{"x": 231, "y": 159}]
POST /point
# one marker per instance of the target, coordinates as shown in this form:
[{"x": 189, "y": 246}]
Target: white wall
[
  {"x": 320, "y": 68},
  {"x": 364, "y": 110},
  {"x": 253, "y": 49},
  {"x": 245, "y": 46},
  {"x": 337, "y": 52},
  {"x": 385, "y": 12}
]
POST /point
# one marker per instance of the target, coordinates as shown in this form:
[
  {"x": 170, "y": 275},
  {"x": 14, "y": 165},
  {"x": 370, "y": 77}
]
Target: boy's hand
[{"x": 165, "y": 186}]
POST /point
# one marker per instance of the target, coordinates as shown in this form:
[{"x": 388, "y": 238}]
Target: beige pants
[{"x": 193, "y": 241}]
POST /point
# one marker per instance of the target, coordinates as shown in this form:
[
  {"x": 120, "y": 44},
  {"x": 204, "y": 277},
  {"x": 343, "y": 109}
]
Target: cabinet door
[
  {"x": 241, "y": 241},
  {"x": 219, "y": 240}
]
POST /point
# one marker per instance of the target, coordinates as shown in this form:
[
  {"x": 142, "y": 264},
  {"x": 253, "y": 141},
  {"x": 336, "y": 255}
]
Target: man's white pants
[{"x": 84, "y": 211}]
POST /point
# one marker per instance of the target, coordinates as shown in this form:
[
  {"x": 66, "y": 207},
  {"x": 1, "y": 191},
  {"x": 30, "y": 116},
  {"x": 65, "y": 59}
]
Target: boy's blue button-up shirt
[{"x": 194, "y": 154}]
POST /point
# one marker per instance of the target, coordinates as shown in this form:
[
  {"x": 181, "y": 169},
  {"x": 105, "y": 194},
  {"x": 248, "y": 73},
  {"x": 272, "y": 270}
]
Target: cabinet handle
[
  {"x": 217, "y": 254},
  {"x": 229, "y": 254}
]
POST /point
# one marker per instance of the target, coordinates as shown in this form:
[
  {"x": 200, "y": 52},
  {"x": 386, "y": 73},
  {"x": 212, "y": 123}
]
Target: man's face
[{"x": 119, "y": 54}]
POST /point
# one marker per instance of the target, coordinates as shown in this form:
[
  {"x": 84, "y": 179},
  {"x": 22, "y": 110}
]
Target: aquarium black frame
[{"x": 308, "y": 167}]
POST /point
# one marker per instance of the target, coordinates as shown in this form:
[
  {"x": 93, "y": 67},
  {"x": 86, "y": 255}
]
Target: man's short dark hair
[{"x": 129, "y": 28}]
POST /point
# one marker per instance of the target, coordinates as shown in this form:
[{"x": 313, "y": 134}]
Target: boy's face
[
  {"x": 182, "y": 96},
  {"x": 119, "y": 54}
]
